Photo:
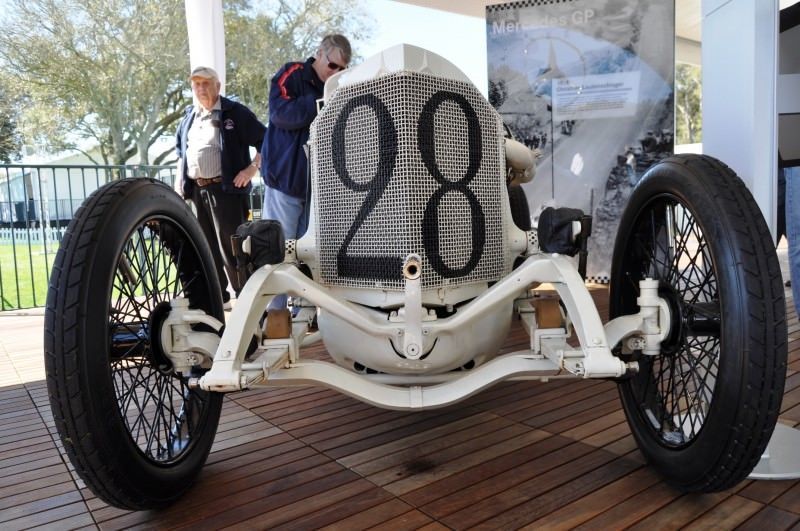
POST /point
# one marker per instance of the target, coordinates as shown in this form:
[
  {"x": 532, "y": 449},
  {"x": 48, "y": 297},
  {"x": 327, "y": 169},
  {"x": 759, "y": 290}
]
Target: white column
[
  {"x": 740, "y": 72},
  {"x": 206, "y": 36},
  {"x": 739, "y": 91}
]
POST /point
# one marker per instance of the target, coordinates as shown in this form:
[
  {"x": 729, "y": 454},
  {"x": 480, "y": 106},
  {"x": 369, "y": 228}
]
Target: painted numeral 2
[{"x": 389, "y": 267}]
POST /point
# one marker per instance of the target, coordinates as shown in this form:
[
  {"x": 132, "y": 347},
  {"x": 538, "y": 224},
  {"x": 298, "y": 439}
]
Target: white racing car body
[
  {"x": 418, "y": 258},
  {"x": 411, "y": 252}
]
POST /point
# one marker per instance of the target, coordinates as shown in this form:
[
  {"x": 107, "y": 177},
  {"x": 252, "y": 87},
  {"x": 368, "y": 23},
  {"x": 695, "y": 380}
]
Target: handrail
[{"x": 37, "y": 201}]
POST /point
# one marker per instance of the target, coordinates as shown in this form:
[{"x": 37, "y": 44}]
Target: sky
[{"x": 458, "y": 38}]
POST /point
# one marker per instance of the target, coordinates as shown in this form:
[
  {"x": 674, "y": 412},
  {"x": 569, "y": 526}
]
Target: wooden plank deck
[{"x": 531, "y": 455}]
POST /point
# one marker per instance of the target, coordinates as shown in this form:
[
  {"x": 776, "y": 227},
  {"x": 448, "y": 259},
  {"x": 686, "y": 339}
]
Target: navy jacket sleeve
[
  {"x": 182, "y": 131},
  {"x": 288, "y": 107},
  {"x": 178, "y": 150}
]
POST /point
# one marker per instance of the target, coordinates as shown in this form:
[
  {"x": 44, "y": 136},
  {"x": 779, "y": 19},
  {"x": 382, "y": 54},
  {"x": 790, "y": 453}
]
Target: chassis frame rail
[{"x": 279, "y": 362}]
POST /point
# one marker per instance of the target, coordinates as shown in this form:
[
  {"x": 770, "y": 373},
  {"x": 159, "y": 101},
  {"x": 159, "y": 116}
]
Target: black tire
[
  {"x": 520, "y": 211},
  {"x": 703, "y": 410},
  {"x": 133, "y": 430}
]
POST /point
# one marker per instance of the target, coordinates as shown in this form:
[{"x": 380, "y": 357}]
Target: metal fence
[{"x": 37, "y": 203}]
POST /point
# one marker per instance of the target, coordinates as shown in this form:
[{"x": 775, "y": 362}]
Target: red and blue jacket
[{"x": 293, "y": 96}]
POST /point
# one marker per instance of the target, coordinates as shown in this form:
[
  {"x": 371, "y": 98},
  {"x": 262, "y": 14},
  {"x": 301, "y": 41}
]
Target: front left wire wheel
[
  {"x": 135, "y": 432},
  {"x": 703, "y": 409}
]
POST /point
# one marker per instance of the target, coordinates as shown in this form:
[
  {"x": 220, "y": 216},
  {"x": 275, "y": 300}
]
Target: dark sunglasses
[{"x": 332, "y": 65}]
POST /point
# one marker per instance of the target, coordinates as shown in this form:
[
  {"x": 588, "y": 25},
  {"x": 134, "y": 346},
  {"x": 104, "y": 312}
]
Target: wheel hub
[
  {"x": 677, "y": 333},
  {"x": 158, "y": 358}
]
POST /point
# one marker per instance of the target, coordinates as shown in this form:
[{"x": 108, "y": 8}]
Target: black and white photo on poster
[{"x": 590, "y": 84}]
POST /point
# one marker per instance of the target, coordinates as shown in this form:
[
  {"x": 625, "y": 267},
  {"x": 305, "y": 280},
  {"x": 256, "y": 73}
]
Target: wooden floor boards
[{"x": 532, "y": 455}]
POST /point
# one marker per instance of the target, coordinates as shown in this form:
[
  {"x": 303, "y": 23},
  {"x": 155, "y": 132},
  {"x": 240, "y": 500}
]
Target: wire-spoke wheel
[
  {"x": 703, "y": 410},
  {"x": 133, "y": 429}
]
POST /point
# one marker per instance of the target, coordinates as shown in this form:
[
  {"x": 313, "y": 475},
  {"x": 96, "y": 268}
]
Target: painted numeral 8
[{"x": 426, "y": 141}]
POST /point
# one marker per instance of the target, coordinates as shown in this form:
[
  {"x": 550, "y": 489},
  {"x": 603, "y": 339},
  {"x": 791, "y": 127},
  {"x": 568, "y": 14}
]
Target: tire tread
[
  {"x": 766, "y": 343},
  {"x": 71, "y": 406}
]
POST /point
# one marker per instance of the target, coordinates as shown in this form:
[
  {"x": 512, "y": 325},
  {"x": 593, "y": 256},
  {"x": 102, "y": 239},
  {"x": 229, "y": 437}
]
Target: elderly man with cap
[{"x": 213, "y": 144}]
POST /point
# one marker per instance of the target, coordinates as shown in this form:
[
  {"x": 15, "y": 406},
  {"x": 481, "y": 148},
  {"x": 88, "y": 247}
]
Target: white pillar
[
  {"x": 740, "y": 72},
  {"x": 739, "y": 91},
  {"x": 206, "y": 36}
]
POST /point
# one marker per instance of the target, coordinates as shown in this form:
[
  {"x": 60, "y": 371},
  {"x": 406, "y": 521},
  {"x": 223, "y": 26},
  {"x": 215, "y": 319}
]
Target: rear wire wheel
[
  {"x": 703, "y": 410},
  {"x": 135, "y": 432}
]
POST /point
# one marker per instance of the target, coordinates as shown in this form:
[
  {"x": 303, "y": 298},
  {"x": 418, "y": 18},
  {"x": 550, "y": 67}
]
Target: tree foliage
[
  {"x": 107, "y": 70},
  {"x": 10, "y": 142},
  {"x": 262, "y": 38},
  {"x": 114, "y": 71},
  {"x": 688, "y": 117}
]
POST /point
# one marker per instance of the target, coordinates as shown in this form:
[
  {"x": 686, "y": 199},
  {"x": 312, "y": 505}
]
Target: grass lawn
[
  {"x": 24, "y": 273},
  {"x": 25, "y": 270}
]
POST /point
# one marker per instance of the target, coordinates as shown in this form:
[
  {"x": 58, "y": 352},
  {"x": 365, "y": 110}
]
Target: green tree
[
  {"x": 115, "y": 70},
  {"x": 10, "y": 141},
  {"x": 688, "y": 117},
  {"x": 262, "y": 39},
  {"x": 108, "y": 70}
]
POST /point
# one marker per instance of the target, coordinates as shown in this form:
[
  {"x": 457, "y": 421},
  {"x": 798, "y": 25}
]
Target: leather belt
[{"x": 201, "y": 181}]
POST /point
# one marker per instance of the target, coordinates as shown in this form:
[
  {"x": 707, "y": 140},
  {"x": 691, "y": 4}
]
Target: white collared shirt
[{"x": 203, "y": 146}]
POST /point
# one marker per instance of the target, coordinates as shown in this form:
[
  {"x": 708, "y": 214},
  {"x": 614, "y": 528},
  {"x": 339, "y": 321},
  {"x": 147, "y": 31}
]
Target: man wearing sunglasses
[{"x": 293, "y": 96}]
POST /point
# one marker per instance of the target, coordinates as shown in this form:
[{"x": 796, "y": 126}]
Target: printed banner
[{"x": 590, "y": 84}]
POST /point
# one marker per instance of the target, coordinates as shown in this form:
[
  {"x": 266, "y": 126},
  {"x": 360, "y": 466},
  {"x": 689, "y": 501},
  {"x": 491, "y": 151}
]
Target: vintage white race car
[{"x": 419, "y": 256}]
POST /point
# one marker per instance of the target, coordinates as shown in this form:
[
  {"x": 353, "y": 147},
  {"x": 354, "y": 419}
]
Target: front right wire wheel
[
  {"x": 134, "y": 430},
  {"x": 702, "y": 411}
]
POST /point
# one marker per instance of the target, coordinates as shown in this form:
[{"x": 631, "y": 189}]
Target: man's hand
[{"x": 244, "y": 177}]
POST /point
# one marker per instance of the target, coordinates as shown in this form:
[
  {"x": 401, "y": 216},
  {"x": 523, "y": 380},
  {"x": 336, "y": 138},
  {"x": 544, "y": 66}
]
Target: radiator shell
[{"x": 409, "y": 163}]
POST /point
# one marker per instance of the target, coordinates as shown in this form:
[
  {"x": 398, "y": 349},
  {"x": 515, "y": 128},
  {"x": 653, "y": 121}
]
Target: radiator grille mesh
[{"x": 408, "y": 163}]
